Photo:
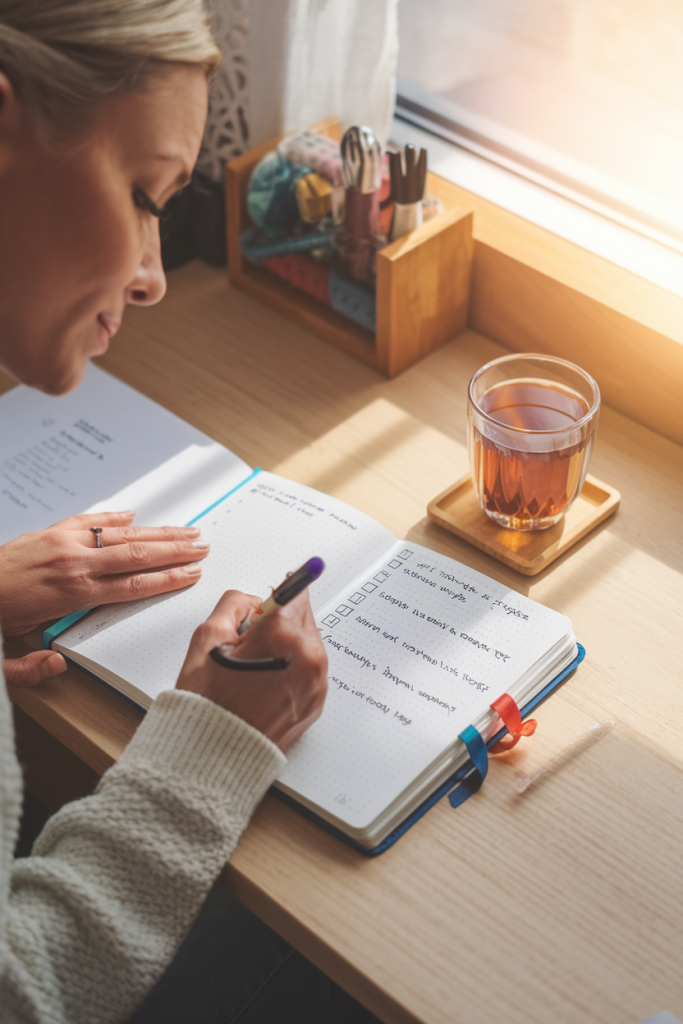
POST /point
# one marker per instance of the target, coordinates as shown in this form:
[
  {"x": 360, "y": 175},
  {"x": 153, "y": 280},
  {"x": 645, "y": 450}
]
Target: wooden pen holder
[{"x": 423, "y": 279}]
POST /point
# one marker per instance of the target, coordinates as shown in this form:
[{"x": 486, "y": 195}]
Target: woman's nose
[{"x": 149, "y": 284}]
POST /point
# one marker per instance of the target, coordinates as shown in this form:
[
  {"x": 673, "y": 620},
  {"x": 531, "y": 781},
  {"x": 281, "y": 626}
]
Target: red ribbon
[{"x": 509, "y": 712}]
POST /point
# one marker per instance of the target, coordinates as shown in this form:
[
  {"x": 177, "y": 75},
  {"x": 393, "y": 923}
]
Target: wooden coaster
[{"x": 458, "y": 510}]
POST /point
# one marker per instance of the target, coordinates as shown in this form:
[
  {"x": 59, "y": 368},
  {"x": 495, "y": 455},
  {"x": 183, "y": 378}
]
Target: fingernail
[
  {"x": 192, "y": 570},
  {"x": 202, "y": 545},
  {"x": 56, "y": 665},
  {"x": 191, "y": 531}
]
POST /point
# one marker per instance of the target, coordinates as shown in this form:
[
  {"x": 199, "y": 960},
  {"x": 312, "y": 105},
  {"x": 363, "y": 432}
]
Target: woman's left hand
[
  {"x": 51, "y": 573},
  {"x": 33, "y": 668}
]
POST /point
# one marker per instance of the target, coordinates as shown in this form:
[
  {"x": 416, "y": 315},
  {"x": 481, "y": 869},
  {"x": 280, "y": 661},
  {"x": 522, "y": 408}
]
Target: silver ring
[{"x": 97, "y": 530}]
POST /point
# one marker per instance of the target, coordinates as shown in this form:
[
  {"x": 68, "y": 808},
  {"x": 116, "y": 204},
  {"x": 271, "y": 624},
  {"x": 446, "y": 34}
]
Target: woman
[{"x": 102, "y": 107}]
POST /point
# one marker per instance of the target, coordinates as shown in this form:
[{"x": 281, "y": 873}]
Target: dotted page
[
  {"x": 267, "y": 528},
  {"x": 418, "y": 647}
]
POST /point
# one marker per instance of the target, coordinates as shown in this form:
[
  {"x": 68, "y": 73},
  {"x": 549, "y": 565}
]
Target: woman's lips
[{"x": 107, "y": 327}]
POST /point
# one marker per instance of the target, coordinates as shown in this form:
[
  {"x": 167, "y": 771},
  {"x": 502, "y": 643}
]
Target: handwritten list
[{"x": 416, "y": 653}]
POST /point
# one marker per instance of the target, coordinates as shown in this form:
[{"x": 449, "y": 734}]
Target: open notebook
[
  {"x": 418, "y": 647},
  {"x": 418, "y": 644}
]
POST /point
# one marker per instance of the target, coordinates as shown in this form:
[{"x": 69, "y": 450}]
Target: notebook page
[
  {"x": 104, "y": 447},
  {"x": 418, "y": 647},
  {"x": 267, "y": 528}
]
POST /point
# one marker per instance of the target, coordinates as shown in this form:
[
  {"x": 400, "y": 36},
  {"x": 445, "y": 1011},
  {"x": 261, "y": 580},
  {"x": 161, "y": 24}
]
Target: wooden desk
[{"x": 563, "y": 904}]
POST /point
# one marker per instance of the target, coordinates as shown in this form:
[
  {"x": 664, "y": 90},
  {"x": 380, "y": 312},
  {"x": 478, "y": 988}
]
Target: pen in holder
[{"x": 407, "y": 190}]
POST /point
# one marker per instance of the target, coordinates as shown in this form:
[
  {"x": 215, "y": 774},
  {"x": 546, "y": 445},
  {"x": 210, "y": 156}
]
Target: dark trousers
[{"x": 231, "y": 968}]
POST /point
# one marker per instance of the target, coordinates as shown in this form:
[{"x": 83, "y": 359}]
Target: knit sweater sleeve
[{"x": 115, "y": 880}]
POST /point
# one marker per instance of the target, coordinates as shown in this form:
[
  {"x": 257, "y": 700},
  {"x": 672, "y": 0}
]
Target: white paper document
[{"x": 104, "y": 447}]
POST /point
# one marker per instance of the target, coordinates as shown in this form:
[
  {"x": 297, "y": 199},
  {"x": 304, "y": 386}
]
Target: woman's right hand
[{"x": 281, "y": 704}]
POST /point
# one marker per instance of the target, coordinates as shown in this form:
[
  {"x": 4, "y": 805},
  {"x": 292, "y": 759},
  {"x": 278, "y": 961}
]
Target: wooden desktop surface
[{"x": 562, "y": 904}]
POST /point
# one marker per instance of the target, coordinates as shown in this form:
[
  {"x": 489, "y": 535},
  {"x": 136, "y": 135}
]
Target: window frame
[{"x": 535, "y": 291}]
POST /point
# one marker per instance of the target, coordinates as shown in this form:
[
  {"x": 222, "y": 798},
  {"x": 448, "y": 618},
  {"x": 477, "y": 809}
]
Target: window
[{"x": 582, "y": 97}]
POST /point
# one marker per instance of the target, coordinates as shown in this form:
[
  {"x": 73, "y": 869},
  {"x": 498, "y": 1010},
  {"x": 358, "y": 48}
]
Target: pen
[
  {"x": 407, "y": 190},
  {"x": 292, "y": 585}
]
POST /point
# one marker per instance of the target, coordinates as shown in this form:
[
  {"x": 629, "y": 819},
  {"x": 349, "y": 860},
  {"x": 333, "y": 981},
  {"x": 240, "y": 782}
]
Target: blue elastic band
[{"x": 476, "y": 748}]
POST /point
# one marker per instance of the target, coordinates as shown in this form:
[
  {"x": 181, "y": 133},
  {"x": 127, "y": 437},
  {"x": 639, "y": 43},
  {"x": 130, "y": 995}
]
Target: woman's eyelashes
[{"x": 143, "y": 202}]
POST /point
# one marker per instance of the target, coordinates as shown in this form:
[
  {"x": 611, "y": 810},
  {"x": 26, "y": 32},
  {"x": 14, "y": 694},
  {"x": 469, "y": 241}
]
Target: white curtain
[
  {"x": 290, "y": 63},
  {"x": 312, "y": 59}
]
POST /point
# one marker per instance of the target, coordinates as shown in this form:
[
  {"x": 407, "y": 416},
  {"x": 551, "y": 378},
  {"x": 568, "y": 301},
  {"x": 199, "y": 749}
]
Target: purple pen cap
[
  {"x": 299, "y": 580},
  {"x": 314, "y": 567}
]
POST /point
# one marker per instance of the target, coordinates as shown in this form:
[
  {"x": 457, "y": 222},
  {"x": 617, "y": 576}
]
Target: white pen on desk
[{"x": 591, "y": 736}]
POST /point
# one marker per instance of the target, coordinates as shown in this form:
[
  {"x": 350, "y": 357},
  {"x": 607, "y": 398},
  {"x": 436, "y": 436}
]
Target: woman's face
[{"x": 76, "y": 241}]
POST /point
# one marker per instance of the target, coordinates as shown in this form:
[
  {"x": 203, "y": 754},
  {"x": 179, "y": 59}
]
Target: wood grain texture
[
  {"x": 533, "y": 291},
  {"x": 563, "y": 904},
  {"x": 457, "y": 509},
  {"x": 423, "y": 290}
]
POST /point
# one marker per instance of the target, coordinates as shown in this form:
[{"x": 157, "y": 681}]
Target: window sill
[
  {"x": 536, "y": 291},
  {"x": 573, "y": 221}
]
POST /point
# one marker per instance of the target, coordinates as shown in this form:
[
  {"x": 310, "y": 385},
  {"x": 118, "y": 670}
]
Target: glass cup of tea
[{"x": 531, "y": 421}]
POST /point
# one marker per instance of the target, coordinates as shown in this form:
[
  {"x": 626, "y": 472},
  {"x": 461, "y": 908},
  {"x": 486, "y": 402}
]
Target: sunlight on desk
[
  {"x": 378, "y": 446},
  {"x": 573, "y": 886}
]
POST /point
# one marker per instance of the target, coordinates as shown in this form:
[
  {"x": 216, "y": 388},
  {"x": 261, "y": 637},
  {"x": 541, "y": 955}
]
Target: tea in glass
[{"x": 532, "y": 421}]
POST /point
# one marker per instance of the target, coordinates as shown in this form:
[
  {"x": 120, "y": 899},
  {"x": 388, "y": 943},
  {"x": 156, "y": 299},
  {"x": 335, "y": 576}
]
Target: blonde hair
[{"x": 64, "y": 56}]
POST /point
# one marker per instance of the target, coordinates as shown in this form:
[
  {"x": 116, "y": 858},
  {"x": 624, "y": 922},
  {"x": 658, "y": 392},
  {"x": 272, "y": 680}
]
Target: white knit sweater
[{"x": 89, "y": 922}]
